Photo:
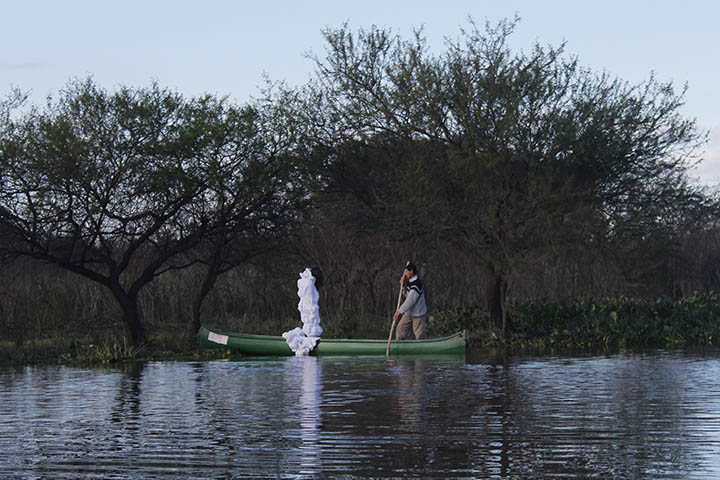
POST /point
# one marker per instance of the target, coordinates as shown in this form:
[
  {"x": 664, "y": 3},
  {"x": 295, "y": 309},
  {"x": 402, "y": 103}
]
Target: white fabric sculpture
[{"x": 303, "y": 340}]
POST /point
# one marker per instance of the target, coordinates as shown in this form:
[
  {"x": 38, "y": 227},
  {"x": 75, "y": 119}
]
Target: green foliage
[
  {"x": 618, "y": 323},
  {"x": 110, "y": 350},
  {"x": 122, "y": 187},
  {"x": 508, "y": 156},
  {"x": 446, "y": 322},
  {"x": 116, "y": 351},
  {"x": 492, "y": 168}
]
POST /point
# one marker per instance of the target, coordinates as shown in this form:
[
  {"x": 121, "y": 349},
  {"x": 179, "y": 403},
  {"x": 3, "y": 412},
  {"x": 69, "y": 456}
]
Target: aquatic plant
[
  {"x": 618, "y": 322},
  {"x": 116, "y": 350}
]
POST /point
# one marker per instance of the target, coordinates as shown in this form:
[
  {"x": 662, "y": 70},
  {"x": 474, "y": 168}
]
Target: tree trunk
[
  {"x": 503, "y": 306},
  {"x": 495, "y": 289},
  {"x": 205, "y": 288},
  {"x": 131, "y": 314},
  {"x": 137, "y": 330},
  {"x": 208, "y": 283}
]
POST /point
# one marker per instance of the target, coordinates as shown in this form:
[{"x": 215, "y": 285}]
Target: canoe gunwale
[{"x": 276, "y": 345}]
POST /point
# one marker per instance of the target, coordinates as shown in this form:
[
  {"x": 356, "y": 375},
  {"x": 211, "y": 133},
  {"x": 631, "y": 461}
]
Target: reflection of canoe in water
[{"x": 271, "y": 345}]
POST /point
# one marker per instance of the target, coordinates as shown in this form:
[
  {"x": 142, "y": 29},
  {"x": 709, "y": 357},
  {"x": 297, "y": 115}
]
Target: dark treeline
[{"x": 506, "y": 176}]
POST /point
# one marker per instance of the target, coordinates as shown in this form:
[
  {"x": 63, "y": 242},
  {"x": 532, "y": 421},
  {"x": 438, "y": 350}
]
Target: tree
[
  {"x": 530, "y": 151},
  {"x": 258, "y": 206},
  {"x": 123, "y": 187}
]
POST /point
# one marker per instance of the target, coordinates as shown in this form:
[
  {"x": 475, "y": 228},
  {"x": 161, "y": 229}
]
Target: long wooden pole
[{"x": 392, "y": 326}]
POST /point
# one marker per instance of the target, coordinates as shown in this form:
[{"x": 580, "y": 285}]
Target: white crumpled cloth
[{"x": 303, "y": 340}]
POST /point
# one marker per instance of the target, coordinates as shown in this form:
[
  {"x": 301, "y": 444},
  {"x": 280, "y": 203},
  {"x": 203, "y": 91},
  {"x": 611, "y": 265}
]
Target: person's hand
[
  {"x": 396, "y": 315},
  {"x": 402, "y": 279}
]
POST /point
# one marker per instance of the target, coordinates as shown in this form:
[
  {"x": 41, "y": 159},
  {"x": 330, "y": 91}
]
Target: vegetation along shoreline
[
  {"x": 541, "y": 327},
  {"x": 524, "y": 185}
]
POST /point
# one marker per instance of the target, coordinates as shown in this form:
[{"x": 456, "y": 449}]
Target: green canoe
[{"x": 271, "y": 345}]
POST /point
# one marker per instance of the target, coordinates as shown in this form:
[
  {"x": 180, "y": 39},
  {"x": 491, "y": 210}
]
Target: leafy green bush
[
  {"x": 446, "y": 322},
  {"x": 618, "y": 322}
]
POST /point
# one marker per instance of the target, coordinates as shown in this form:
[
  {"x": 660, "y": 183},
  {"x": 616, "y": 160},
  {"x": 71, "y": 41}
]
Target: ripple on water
[{"x": 621, "y": 416}]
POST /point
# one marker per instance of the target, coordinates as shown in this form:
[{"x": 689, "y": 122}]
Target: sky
[{"x": 226, "y": 47}]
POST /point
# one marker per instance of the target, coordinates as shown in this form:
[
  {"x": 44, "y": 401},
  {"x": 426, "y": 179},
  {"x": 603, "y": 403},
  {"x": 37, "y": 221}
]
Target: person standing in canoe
[{"x": 413, "y": 309}]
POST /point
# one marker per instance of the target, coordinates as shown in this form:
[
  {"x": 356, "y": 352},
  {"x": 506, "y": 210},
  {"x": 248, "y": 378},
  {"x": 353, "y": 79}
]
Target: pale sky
[{"x": 224, "y": 47}]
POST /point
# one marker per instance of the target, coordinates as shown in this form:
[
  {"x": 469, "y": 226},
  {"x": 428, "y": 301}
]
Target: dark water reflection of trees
[{"x": 621, "y": 416}]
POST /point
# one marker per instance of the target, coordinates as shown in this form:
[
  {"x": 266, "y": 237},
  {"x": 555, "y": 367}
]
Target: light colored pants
[{"x": 418, "y": 325}]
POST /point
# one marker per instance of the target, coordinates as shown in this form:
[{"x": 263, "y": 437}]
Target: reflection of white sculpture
[
  {"x": 310, "y": 415},
  {"x": 303, "y": 385},
  {"x": 302, "y": 340}
]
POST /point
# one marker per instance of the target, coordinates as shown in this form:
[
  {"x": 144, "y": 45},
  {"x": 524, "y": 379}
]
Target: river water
[{"x": 630, "y": 416}]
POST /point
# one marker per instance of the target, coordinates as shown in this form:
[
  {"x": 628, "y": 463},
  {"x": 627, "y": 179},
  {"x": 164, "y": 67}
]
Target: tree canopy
[
  {"x": 507, "y": 159},
  {"x": 122, "y": 187},
  {"x": 519, "y": 155}
]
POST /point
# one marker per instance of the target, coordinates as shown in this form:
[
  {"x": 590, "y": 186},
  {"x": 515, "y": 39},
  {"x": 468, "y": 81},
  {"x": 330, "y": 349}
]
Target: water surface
[{"x": 622, "y": 416}]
